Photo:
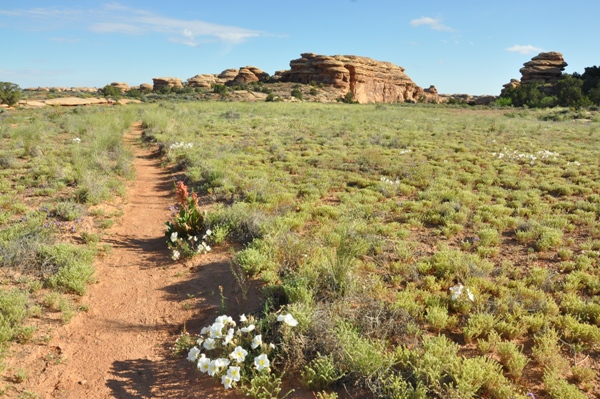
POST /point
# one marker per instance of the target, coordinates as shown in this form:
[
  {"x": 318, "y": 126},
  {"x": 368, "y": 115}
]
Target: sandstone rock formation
[
  {"x": 123, "y": 87},
  {"x": 146, "y": 87},
  {"x": 228, "y": 74},
  {"x": 249, "y": 74},
  {"x": 545, "y": 67},
  {"x": 204, "y": 80},
  {"x": 160, "y": 83},
  {"x": 370, "y": 81}
]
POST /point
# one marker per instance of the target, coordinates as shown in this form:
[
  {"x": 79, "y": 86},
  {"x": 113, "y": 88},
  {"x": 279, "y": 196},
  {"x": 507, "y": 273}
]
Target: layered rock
[
  {"x": 146, "y": 87},
  {"x": 249, "y": 74},
  {"x": 203, "y": 80},
  {"x": 123, "y": 87},
  {"x": 544, "y": 68},
  {"x": 160, "y": 83},
  {"x": 370, "y": 81},
  {"x": 228, "y": 74}
]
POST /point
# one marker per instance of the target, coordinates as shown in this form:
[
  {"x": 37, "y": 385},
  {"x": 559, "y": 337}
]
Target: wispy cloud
[
  {"x": 433, "y": 23},
  {"x": 120, "y": 19},
  {"x": 528, "y": 49}
]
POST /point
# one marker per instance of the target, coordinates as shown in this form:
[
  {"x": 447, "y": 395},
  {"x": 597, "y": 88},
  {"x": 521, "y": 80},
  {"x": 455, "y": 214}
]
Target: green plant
[
  {"x": 321, "y": 372},
  {"x": 296, "y": 93},
  {"x": 186, "y": 233},
  {"x": 10, "y": 93}
]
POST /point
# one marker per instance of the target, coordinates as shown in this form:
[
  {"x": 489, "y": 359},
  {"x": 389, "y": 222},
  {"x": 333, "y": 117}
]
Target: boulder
[
  {"x": 370, "y": 81},
  {"x": 160, "y": 83},
  {"x": 249, "y": 74},
  {"x": 146, "y": 87},
  {"x": 228, "y": 74}
]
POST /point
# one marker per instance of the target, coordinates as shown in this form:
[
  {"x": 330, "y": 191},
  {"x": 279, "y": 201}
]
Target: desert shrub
[
  {"x": 559, "y": 388},
  {"x": 110, "y": 91},
  {"x": 13, "y": 310},
  {"x": 69, "y": 210},
  {"x": 296, "y": 93},
  {"x": 10, "y": 93},
  {"x": 219, "y": 89},
  {"x": 72, "y": 265},
  {"x": 321, "y": 372}
]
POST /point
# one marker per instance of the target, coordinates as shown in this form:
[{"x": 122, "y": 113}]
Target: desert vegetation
[
  {"x": 57, "y": 165},
  {"x": 425, "y": 251},
  {"x": 404, "y": 251}
]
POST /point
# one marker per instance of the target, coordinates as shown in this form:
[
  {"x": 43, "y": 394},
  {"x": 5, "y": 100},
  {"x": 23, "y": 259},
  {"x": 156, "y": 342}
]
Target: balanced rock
[
  {"x": 370, "y": 81},
  {"x": 543, "y": 68},
  {"x": 160, "y": 83}
]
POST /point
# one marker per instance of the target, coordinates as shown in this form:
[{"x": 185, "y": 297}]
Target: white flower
[
  {"x": 271, "y": 346},
  {"x": 228, "y": 337},
  {"x": 193, "y": 354},
  {"x": 208, "y": 232},
  {"x": 77, "y": 140},
  {"x": 213, "y": 368},
  {"x": 203, "y": 364},
  {"x": 200, "y": 340},
  {"x": 288, "y": 319},
  {"x": 238, "y": 354},
  {"x": 234, "y": 373},
  {"x": 256, "y": 342},
  {"x": 216, "y": 330},
  {"x": 247, "y": 329},
  {"x": 176, "y": 255},
  {"x": 226, "y": 381},
  {"x": 470, "y": 295},
  {"x": 174, "y": 236},
  {"x": 209, "y": 344},
  {"x": 221, "y": 362},
  {"x": 456, "y": 291},
  {"x": 204, "y": 330},
  {"x": 261, "y": 362},
  {"x": 243, "y": 318},
  {"x": 195, "y": 238}
]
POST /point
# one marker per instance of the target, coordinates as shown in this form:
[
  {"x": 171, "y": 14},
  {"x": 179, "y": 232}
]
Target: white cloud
[
  {"x": 528, "y": 49},
  {"x": 116, "y": 18},
  {"x": 433, "y": 23}
]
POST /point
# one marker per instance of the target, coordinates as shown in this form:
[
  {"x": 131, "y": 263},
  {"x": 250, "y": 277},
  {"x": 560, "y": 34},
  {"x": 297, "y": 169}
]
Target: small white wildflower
[
  {"x": 209, "y": 344},
  {"x": 288, "y": 319},
  {"x": 243, "y": 318},
  {"x": 234, "y": 373},
  {"x": 193, "y": 354},
  {"x": 174, "y": 236},
  {"x": 238, "y": 354},
  {"x": 175, "y": 255},
  {"x": 200, "y": 340},
  {"x": 213, "y": 368},
  {"x": 208, "y": 232},
  {"x": 221, "y": 362},
  {"x": 216, "y": 330},
  {"x": 226, "y": 381},
  {"x": 261, "y": 362},
  {"x": 256, "y": 342},
  {"x": 470, "y": 295},
  {"x": 456, "y": 291},
  {"x": 77, "y": 140},
  {"x": 247, "y": 329},
  {"x": 203, "y": 364}
]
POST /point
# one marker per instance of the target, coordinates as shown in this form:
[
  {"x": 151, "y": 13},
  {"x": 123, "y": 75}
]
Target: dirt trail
[{"x": 119, "y": 348}]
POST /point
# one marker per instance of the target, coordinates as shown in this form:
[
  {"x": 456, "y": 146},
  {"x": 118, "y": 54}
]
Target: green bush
[
  {"x": 72, "y": 265},
  {"x": 110, "y": 91},
  {"x": 297, "y": 93},
  {"x": 10, "y": 93}
]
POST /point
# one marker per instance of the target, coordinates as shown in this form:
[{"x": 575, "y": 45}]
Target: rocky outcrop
[
  {"x": 249, "y": 74},
  {"x": 123, "y": 87},
  {"x": 160, "y": 83},
  {"x": 146, "y": 87},
  {"x": 370, "y": 81},
  {"x": 543, "y": 68},
  {"x": 228, "y": 74},
  {"x": 203, "y": 80}
]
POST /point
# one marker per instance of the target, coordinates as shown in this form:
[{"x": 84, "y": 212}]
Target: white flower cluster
[
  {"x": 457, "y": 291},
  {"x": 388, "y": 181},
  {"x": 76, "y": 140},
  {"x": 405, "y": 151},
  {"x": 574, "y": 163},
  {"x": 227, "y": 343},
  {"x": 199, "y": 243},
  {"x": 182, "y": 145},
  {"x": 526, "y": 157}
]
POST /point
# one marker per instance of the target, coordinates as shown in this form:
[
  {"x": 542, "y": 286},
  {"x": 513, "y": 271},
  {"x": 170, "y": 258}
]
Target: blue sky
[{"x": 459, "y": 46}]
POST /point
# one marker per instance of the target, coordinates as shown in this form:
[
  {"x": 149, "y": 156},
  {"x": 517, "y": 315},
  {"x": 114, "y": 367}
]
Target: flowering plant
[
  {"x": 234, "y": 354},
  {"x": 186, "y": 232}
]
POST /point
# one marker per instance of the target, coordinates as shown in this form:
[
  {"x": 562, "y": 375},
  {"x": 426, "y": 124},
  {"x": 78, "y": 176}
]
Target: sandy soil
[{"x": 120, "y": 348}]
